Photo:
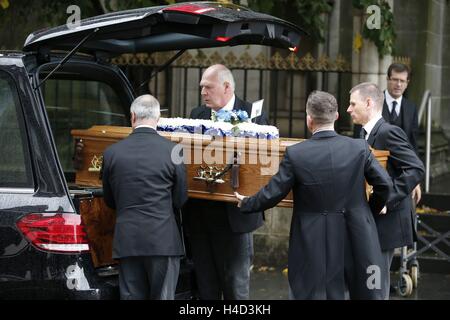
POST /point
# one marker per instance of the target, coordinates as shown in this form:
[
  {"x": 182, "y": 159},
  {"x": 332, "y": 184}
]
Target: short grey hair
[
  {"x": 322, "y": 107},
  {"x": 224, "y": 75},
  {"x": 370, "y": 90},
  {"x": 146, "y": 107}
]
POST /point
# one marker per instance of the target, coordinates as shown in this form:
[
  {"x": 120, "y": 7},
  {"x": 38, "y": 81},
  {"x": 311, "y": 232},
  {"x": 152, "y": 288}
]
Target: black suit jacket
[
  {"x": 332, "y": 226},
  {"x": 408, "y": 120},
  {"x": 142, "y": 183},
  {"x": 213, "y": 216},
  {"x": 395, "y": 229}
]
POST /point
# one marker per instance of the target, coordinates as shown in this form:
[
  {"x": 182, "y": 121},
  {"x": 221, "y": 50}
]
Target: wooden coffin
[
  {"x": 259, "y": 161},
  {"x": 99, "y": 221},
  {"x": 256, "y": 161}
]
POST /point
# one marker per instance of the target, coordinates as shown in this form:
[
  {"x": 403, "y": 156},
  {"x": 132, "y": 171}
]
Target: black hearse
[{"x": 62, "y": 81}]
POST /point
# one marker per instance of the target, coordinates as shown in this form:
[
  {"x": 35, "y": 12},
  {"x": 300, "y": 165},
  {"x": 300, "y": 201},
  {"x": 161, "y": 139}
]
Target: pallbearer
[{"x": 333, "y": 241}]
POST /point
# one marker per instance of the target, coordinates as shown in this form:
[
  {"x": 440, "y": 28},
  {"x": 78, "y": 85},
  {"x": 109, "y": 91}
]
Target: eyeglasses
[{"x": 401, "y": 81}]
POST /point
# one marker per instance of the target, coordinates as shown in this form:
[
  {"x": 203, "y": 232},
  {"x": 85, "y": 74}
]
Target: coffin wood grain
[
  {"x": 98, "y": 138},
  {"x": 100, "y": 220}
]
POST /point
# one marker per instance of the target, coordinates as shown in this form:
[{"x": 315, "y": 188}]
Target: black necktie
[
  {"x": 393, "y": 114},
  {"x": 363, "y": 133}
]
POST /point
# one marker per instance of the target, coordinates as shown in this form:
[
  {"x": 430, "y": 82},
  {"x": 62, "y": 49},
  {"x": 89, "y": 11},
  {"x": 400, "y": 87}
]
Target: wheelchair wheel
[
  {"x": 405, "y": 285},
  {"x": 414, "y": 273}
]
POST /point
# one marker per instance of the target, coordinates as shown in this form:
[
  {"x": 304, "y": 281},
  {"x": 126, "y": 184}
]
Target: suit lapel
[
  {"x": 239, "y": 105},
  {"x": 205, "y": 114},
  {"x": 405, "y": 115},
  {"x": 385, "y": 111},
  {"x": 373, "y": 133}
]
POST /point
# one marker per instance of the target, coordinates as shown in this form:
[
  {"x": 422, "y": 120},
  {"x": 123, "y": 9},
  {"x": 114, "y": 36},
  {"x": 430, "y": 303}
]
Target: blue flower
[
  {"x": 223, "y": 115},
  {"x": 234, "y": 117},
  {"x": 242, "y": 115}
]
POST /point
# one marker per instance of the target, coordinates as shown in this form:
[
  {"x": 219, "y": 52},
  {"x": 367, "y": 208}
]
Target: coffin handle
[{"x": 235, "y": 171}]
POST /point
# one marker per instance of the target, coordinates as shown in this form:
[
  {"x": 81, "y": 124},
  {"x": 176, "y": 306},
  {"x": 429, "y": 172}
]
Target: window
[
  {"x": 15, "y": 167},
  {"x": 79, "y": 104}
]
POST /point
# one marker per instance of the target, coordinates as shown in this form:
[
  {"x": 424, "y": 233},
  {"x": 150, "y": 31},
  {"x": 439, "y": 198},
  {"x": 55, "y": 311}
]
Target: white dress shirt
[
  {"x": 369, "y": 125},
  {"x": 145, "y": 126},
  {"x": 229, "y": 106},
  {"x": 390, "y": 99}
]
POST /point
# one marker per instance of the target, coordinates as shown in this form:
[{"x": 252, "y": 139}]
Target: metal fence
[{"x": 283, "y": 82}]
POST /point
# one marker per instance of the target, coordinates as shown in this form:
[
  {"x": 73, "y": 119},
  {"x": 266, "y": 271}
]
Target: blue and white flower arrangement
[
  {"x": 234, "y": 117},
  {"x": 220, "y": 127}
]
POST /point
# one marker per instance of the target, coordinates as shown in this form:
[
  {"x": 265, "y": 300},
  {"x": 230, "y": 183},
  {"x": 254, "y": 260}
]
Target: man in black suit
[
  {"x": 399, "y": 111},
  {"x": 146, "y": 185},
  {"x": 395, "y": 228},
  {"x": 333, "y": 241},
  {"x": 219, "y": 235}
]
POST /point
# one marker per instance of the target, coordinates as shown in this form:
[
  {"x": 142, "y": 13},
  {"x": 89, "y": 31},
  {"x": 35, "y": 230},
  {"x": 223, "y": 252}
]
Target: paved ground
[{"x": 273, "y": 285}]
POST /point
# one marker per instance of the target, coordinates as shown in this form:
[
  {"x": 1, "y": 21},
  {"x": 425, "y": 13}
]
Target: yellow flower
[
  {"x": 4, "y": 4},
  {"x": 357, "y": 42}
]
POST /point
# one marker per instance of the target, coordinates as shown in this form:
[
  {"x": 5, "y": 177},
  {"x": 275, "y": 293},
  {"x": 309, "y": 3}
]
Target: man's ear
[
  {"x": 368, "y": 102},
  {"x": 309, "y": 121},
  {"x": 337, "y": 116},
  {"x": 132, "y": 118},
  {"x": 226, "y": 86}
]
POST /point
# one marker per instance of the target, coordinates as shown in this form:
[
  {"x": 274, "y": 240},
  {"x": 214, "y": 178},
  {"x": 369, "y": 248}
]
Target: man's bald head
[
  {"x": 145, "y": 110},
  {"x": 222, "y": 73},
  {"x": 217, "y": 86}
]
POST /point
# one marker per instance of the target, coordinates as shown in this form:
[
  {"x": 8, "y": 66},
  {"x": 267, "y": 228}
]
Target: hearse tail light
[{"x": 55, "y": 232}]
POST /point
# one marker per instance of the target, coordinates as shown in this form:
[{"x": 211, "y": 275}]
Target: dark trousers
[
  {"x": 388, "y": 255},
  {"x": 222, "y": 264},
  {"x": 152, "y": 277}
]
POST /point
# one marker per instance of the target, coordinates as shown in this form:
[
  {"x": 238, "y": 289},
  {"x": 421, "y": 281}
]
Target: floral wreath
[{"x": 234, "y": 116}]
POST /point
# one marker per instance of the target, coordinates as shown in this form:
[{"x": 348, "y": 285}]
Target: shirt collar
[
  {"x": 144, "y": 126},
  {"x": 390, "y": 99},
  {"x": 369, "y": 125},
  {"x": 321, "y": 130}
]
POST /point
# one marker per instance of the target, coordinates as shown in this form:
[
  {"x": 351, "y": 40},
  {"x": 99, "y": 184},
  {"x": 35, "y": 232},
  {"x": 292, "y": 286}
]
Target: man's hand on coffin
[
  {"x": 239, "y": 197},
  {"x": 384, "y": 210},
  {"x": 77, "y": 158}
]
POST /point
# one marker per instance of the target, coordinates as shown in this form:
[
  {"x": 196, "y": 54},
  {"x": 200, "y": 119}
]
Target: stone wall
[
  {"x": 423, "y": 33},
  {"x": 271, "y": 240}
]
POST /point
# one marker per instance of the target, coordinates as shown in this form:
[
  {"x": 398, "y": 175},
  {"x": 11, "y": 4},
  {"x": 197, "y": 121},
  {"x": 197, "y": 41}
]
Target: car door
[{"x": 31, "y": 186}]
